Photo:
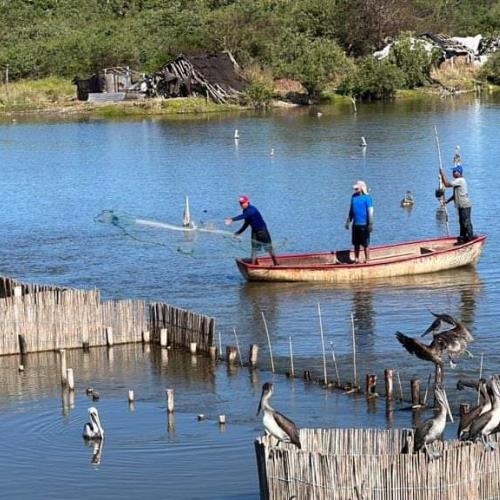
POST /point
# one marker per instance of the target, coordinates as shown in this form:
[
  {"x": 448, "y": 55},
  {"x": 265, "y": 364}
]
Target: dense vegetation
[{"x": 313, "y": 41}]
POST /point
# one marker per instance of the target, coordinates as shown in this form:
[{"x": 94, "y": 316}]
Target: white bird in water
[
  {"x": 275, "y": 423},
  {"x": 93, "y": 429},
  {"x": 236, "y": 134},
  {"x": 272, "y": 152},
  {"x": 363, "y": 142},
  {"x": 319, "y": 114}
]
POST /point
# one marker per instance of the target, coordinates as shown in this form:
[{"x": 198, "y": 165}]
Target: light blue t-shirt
[{"x": 360, "y": 203}]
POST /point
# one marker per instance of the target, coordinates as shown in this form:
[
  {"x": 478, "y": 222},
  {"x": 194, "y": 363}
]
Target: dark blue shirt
[
  {"x": 252, "y": 218},
  {"x": 360, "y": 203}
]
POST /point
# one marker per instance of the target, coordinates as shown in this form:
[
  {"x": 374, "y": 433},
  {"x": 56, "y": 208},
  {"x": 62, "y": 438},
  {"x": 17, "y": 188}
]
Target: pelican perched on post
[
  {"x": 455, "y": 340},
  {"x": 432, "y": 429},
  {"x": 484, "y": 425},
  {"x": 93, "y": 429},
  {"x": 484, "y": 405},
  {"x": 276, "y": 424}
]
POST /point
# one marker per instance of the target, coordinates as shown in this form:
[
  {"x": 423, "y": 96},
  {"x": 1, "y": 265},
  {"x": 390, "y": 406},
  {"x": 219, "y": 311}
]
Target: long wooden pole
[
  {"x": 268, "y": 341},
  {"x": 325, "y": 377},
  {"x": 441, "y": 186},
  {"x": 354, "y": 352}
]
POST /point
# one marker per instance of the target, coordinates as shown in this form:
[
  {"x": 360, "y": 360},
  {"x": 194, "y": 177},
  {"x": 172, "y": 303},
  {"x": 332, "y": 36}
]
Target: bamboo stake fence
[
  {"x": 368, "y": 464},
  {"x": 35, "y": 318}
]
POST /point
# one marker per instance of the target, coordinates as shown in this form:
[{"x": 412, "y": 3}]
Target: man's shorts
[
  {"x": 261, "y": 240},
  {"x": 360, "y": 235}
]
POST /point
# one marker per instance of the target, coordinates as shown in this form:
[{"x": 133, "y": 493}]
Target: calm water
[{"x": 58, "y": 175}]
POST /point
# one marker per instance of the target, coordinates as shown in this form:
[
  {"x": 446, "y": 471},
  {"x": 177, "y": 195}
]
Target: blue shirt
[
  {"x": 252, "y": 218},
  {"x": 360, "y": 203}
]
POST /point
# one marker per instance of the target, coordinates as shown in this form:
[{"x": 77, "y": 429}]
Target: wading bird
[
  {"x": 93, "y": 429},
  {"x": 485, "y": 425},
  {"x": 484, "y": 405},
  {"x": 432, "y": 429},
  {"x": 276, "y": 424}
]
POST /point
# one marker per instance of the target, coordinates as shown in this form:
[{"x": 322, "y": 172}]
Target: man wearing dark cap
[
  {"x": 462, "y": 201},
  {"x": 260, "y": 235}
]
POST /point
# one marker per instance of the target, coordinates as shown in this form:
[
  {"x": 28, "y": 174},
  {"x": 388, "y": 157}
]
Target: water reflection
[{"x": 97, "y": 448}]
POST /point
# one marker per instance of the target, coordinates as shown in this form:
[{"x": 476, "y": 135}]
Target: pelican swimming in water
[
  {"x": 276, "y": 424},
  {"x": 93, "y": 429},
  {"x": 484, "y": 405},
  {"x": 485, "y": 424},
  {"x": 432, "y": 429}
]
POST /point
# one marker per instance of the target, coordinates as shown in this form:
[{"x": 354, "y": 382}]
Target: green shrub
[
  {"x": 410, "y": 55},
  {"x": 491, "y": 69},
  {"x": 372, "y": 79}
]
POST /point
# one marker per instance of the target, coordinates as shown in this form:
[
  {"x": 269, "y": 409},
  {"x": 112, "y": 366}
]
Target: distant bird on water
[
  {"x": 275, "y": 423},
  {"x": 432, "y": 429},
  {"x": 93, "y": 429},
  {"x": 236, "y": 134},
  {"x": 363, "y": 143}
]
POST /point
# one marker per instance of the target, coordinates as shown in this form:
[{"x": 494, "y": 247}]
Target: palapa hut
[{"x": 214, "y": 75}]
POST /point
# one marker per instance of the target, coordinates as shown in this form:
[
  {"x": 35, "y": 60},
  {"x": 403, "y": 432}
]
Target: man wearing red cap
[{"x": 260, "y": 235}]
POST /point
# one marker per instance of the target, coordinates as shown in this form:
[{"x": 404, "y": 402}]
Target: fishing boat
[{"x": 386, "y": 261}]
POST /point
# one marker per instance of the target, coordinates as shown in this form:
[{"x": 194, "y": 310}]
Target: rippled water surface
[{"x": 57, "y": 176}]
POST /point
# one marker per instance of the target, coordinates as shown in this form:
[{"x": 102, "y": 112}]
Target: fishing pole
[{"x": 441, "y": 185}]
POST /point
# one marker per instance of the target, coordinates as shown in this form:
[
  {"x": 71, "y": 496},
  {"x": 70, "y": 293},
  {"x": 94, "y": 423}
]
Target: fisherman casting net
[{"x": 195, "y": 239}]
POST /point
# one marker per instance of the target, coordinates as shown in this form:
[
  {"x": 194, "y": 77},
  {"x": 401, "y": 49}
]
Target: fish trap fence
[
  {"x": 369, "y": 464},
  {"x": 183, "y": 327},
  {"x": 42, "y": 318}
]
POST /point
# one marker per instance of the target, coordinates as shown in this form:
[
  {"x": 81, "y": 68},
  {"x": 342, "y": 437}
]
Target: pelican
[
  {"x": 432, "y": 429},
  {"x": 455, "y": 340},
  {"x": 484, "y": 425},
  {"x": 272, "y": 152},
  {"x": 275, "y": 423},
  {"x": 236, "y": 134},
  {"x": 408, "y": 200},
  {"x": 363, "y": 142},
  {"x": 93, "y": 429},
  {"x": 89, "y": 391},
  {"x": 431, "y": 352},
  {"x": 483, "y": 406}
]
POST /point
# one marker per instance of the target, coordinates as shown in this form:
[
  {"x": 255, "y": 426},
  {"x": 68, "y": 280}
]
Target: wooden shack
[{"x": 213, "y": 75}]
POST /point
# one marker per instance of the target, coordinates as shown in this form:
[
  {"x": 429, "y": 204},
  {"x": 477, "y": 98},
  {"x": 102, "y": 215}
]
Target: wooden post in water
[
  {"x": 220, "y": 345},
  {"x": 290, "y": 348},
  {"x": 480, "y": 376},
  {"x": 22, "y": 345},
  {"x": 354, "y": 352},
  {"x": 253, "y": 356},
  {"x": 170, "y": 401},
  {"x": 131, "y": 396},
  {"x": 64, "y": 373},
  {"x": 334, "y": 359},
  {"x": 146, "y": 336},
  {"x": 163, "y": 337},
  {"x": 389, "y": 386},
  {"x": 231, "y": 354},
  {"x": 371, "y": 385},
  {"x": 212, "y": 350},
  {"x": 237, "y": 346},
  {"x": 325, "y": 377},
  {"x": 71, "y": 379},
  {"x": 401, "y": 396},
  {"x": 438, "y": 379},
  {"x": 85, "y": 346},
  {"x": 192, "y": 347},
  {"x": 109, "y": 336},
  {"x": 268, "y": 341},
  {"x": 415, "y": 392},
  {"x": 222, "y": 419}
]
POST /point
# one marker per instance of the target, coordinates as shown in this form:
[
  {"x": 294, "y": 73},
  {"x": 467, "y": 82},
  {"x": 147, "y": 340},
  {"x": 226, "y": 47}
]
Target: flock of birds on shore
[{"x": 479, "y": 424}]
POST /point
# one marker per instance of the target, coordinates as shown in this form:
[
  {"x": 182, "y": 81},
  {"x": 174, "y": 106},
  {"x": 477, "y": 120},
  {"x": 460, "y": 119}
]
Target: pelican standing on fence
[
  {"x": 432, "y": 429},
  {"x": 93, "y": 429},
  {"x": 484, "y": 405},
  {"x": 484, "y": 425},
  {"x": 276, "y": 424}
]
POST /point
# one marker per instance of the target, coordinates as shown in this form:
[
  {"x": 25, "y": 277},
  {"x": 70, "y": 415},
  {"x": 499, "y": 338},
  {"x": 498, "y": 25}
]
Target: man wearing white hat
[{"x": 361, "y": 217}]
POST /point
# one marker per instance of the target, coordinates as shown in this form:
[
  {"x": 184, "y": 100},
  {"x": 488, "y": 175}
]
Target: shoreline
[{"x": 33, "y": 99}]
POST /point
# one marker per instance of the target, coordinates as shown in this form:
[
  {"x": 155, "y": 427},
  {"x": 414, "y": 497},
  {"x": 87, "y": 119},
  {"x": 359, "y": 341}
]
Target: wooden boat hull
[{"x": 387, "y": 261}]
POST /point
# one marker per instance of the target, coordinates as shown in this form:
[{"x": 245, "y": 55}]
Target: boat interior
[{"x": 378, "y": 254}]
